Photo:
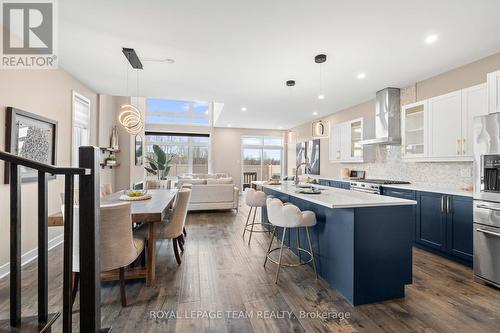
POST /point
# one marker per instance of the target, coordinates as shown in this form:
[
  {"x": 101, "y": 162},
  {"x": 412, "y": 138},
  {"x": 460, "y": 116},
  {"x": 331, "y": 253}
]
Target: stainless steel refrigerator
[{"x": 487, "y": 198}]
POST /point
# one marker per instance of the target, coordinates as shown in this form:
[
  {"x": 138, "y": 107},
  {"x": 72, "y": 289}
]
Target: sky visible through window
[{"x": 169, "y": 111}]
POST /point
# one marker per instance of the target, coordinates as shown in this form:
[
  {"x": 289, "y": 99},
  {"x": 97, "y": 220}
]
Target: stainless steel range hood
[{"x": 387, "y": 118}]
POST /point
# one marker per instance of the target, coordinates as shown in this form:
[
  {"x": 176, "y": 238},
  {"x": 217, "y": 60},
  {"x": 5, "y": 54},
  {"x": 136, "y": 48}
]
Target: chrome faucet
[{"x": 296, "y": 180}]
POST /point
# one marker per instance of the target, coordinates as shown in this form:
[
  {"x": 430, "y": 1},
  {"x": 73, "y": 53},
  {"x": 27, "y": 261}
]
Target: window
[
  {"x": 262, "y": 158},
  {"x": 81, "y": 125},
  {"x": 191, "y": 152},
  {"x": 169, "y": 111}
]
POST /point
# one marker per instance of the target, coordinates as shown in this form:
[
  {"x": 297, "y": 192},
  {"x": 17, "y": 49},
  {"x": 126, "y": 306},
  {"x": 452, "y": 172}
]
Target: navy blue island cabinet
[{"x": 363, "y": 252}]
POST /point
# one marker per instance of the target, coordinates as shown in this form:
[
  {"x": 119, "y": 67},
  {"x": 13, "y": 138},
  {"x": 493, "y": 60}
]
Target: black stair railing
[{"x": 90, "y": 291}]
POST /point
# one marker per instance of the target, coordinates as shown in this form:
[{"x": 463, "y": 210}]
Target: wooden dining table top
[{"x": 151, "y": 210}]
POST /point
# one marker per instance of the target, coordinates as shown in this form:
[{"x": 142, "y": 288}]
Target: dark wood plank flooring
[{"x": 220, "y": 272}]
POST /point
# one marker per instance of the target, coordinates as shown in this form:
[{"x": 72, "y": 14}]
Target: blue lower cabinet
[
  {"x": 404, "y": 194},
  {"x": 335, "y": 183},
  {"x": 459, "y": 227},
  {"x": 431, "y": 220},
  {"x": 442, "y": 223},
  {"x": 339, "y": 184},
  {"x": 324, "y": 182}
]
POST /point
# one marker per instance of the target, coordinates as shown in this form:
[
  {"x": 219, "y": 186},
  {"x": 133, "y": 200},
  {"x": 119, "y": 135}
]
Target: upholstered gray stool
[
  {"x": 288, "y": 216},
  {"x": 254, "y": 199}
]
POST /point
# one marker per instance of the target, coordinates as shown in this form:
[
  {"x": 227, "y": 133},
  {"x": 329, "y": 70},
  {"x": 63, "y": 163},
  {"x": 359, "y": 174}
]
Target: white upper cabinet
[
  {"x": 445, "y": 125},
  {"x": 494, "y": 92},
  {"x": 474, "y": 103},
  {"x": 335, "y": 138},
  {"x": 440, "y": 128},
  {"x": 345, "y": 138},
  {"x": 414, "y": 130}
]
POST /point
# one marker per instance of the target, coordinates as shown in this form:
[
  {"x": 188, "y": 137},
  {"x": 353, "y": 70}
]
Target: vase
[{"x": 114, "y": 138}]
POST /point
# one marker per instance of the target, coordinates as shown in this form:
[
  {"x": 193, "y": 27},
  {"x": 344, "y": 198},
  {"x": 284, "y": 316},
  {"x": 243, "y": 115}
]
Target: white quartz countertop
[
  {"x": 412, "y": 187},
  {"x": 339, "y": 198}
]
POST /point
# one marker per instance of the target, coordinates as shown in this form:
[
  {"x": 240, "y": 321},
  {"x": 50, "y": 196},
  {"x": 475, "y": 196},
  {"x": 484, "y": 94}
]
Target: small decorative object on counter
[
  {"x": 467, "y": 186},
  {"x": 344, "y": 173}
]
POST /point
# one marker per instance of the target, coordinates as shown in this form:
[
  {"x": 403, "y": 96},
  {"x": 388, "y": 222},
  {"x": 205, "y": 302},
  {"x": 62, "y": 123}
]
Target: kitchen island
[{"x": 362, "y": 242}]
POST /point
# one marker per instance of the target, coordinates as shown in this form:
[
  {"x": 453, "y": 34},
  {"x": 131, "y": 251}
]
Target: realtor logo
[{"x": 28, "y": 32}]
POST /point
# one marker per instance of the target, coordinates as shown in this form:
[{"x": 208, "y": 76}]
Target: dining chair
[
  {"x": 118, "y": 246},
  {"x": 156, "y": 184},
  {"x": 106, "y": 189},
  {"x": 173, "y": 228},
  {"x": 76, "y": 197}
]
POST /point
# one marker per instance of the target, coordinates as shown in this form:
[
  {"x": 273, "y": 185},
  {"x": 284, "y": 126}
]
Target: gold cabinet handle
[
  {"x": 442, "y": 204},
  {"x": 448, "y": 200},
  {"x": 463, "y": 147},
  {"x": 458, "y": 147}
]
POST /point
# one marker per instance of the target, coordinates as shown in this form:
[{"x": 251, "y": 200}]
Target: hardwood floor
[{"x": 220, "y": 272}]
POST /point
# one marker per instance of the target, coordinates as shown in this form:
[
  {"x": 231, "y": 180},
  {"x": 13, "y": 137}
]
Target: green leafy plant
[{"x": 158, "y": 163}]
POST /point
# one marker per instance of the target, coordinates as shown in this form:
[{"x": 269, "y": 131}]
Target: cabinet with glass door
[
  {"x": 413, "y": 123},
  {"x": 356, "y": 129}
]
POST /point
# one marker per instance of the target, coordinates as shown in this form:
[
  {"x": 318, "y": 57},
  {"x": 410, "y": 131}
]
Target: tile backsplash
[{"x": 388, "y": 164}]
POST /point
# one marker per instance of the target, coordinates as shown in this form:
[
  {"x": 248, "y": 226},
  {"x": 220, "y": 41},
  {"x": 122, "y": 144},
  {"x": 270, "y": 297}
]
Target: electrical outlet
[{"x": 466, "y": 172}]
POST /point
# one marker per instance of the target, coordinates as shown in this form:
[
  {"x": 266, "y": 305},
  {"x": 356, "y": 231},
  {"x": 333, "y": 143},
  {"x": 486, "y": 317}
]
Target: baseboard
[{"x": 31, "y": 255}]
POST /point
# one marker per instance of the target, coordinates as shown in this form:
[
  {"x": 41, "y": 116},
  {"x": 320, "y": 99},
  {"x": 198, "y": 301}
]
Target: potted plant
[
  {"x": 158, "y": 163},
  {"x": 111, "y": 160}
]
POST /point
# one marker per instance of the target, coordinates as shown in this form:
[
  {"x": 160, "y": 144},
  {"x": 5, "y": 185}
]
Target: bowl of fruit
[{"x": 135, "y": 193}]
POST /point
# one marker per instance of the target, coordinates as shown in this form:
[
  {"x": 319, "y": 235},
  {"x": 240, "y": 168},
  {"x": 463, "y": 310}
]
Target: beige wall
[
  {"x": 108, "y": 106},
  {"x": 47, "y": 93},
  {"x": 226, "y": 149},
  {"x": 459, "y": 78}
]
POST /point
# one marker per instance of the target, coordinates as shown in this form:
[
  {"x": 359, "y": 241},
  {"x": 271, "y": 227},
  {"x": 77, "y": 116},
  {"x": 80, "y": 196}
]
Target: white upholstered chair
[
  {"x": 118, "y": 246},
  {"x": 106, "y": 189},
  {"x": 288, "y": 216},
  {"x": 174, "y": 227},
  {"x": 254, "y": 199}
]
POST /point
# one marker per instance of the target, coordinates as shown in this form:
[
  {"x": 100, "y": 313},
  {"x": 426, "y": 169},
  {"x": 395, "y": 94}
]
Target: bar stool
[
  {"x": 254, "y": 199},
  {"x": 288, "y": 216}
]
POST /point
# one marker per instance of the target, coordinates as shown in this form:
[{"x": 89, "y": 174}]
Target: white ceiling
[{"x": 241, "y": 52}]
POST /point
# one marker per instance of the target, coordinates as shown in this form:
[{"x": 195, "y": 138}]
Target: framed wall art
[{"x": 30, "y": 136}]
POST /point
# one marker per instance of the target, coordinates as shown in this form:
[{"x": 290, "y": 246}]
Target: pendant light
[
  {"x": 320, "y": 128},
  {"x": 290, "y": 133},
  {"x": 320, "y": 59},
  {"x": 130, "y": 117}
]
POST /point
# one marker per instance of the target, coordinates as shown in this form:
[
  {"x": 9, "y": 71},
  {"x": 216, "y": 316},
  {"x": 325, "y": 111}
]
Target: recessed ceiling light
[
  {"x": 243, "y": 109},
  {"x": 361, "y": 76},
  {"x": 321, "y": 96},
  {"x": 431, "y": 39},
  {"x": 315, "y": 113},
  {"x": 281, "y": 127},
  {"x": 228, "y": 125}
]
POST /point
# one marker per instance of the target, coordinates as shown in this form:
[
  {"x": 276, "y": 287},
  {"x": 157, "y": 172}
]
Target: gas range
[{"x": 373, "y": 185}]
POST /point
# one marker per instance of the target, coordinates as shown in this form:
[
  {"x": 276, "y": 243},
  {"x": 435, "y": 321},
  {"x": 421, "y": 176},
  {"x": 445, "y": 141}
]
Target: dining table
[{"x": 150, "y": 212}]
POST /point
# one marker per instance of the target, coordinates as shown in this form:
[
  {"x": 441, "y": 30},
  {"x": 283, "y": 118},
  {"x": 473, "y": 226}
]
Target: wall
[
  {"x": 108, "y": 108},
  {"x": 226, "y": 149},
  {"x": 388, "y": 163},
  {"x": 47, "y": 93}
]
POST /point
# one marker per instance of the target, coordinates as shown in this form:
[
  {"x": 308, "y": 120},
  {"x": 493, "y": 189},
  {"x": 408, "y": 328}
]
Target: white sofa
[{"x": 210, "y": 193}]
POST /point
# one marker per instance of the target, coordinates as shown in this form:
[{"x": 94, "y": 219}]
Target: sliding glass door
[{"x": 261, "y": 159}]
